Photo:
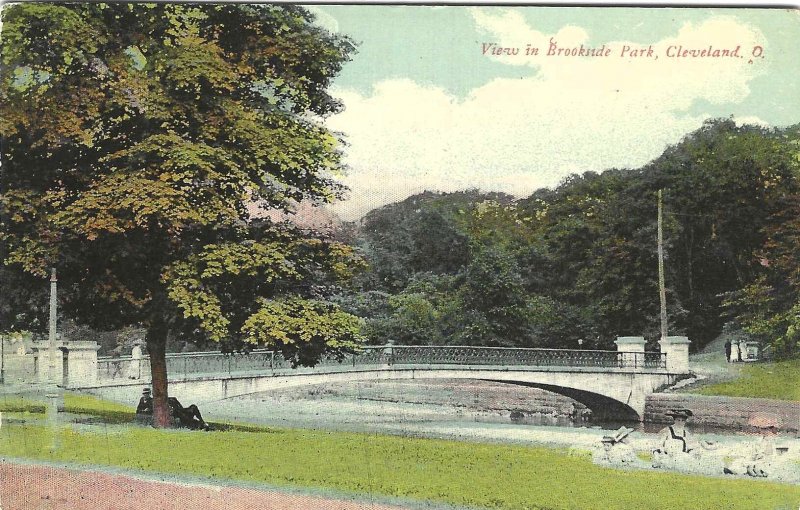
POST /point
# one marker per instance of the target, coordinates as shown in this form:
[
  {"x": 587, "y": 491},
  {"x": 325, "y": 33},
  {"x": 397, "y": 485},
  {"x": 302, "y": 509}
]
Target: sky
[{"x": 429, "y": 107}]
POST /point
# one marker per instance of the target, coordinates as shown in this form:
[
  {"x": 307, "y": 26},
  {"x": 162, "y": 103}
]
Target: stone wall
[
  {"x": 746, "y": 414},
  {"x": 19, "y": 368},
  {"x": 18, "y": 363}
]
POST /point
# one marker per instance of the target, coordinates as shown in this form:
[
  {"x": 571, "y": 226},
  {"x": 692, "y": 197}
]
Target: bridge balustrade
[
  {"x": 509, "y": 356},
  {"x": 260, "y": 360}
]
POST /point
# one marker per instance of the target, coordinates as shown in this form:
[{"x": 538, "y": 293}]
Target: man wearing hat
[
  {"x": 145, "y": 406},
  {"x": 616, "y": 451},
  {"x": 184, "y": 416}
]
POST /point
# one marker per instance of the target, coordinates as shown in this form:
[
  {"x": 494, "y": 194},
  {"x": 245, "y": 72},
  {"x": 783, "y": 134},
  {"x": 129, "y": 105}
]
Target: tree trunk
[{"x": 157, "y": 347}]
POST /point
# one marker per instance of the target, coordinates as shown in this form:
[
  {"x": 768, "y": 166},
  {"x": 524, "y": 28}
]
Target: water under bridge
[{"x": 613, "y": 384}]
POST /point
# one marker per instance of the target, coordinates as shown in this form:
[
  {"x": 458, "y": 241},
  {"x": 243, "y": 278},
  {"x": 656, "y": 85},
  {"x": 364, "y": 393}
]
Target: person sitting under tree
[
  {"x": 145, "y": 406},
  {"x": 188, "y": 417}
]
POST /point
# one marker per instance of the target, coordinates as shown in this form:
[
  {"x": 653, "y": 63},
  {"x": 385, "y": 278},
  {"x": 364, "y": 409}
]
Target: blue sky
[{"x": 426, "y": 108}]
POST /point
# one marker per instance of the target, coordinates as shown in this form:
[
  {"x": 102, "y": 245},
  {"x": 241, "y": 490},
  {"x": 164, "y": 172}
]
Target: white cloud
[
  {"x": 323, "y": 19},
  {"x": 515, "y": 135}
]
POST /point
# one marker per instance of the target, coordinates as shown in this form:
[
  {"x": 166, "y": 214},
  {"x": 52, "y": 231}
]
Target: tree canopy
[{"x": 578, "y": 261}]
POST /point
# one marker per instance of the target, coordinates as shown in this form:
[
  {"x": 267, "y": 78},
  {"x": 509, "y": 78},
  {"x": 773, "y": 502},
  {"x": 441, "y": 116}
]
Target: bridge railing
[
  {"x": 508, "y": 356},
  {"x": 189, "y": 363},
  {"x": 261, "y": 361}
]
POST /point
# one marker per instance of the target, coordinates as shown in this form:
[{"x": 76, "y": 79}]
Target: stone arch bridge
[{"x": 613, "y": 384}]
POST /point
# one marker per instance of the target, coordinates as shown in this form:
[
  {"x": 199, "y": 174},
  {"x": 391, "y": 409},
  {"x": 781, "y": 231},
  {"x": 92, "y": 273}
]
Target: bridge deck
[{"x": 186, "y": 366}]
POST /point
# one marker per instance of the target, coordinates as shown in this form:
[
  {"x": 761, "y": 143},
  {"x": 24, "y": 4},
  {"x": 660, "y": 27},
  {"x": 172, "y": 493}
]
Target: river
[{"x": 473, "y": 411}]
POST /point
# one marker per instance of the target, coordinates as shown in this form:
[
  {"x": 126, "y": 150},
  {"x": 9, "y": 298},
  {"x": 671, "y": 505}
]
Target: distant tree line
[{"x": 579, "y": 261}]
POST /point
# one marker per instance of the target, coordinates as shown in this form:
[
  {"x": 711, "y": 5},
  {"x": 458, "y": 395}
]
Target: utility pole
[{"x": 662, "y": 292}]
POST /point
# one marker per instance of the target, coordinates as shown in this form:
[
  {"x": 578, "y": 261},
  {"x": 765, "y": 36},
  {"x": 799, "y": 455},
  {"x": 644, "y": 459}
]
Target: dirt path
[{"x": 39, "y": 487}]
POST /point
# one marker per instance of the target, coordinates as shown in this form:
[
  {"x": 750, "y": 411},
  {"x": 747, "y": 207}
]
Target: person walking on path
[{"x": 728, "y": 351}]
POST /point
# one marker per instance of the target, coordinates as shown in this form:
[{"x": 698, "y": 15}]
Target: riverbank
[
  {"x": 412, "y": 451},
  {"x": 778, "y": 380},
  {"x": 735, "y": 414}
]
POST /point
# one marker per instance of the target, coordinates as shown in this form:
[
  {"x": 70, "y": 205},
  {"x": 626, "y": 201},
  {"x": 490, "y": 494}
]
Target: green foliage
[
  {"x": 303, "y": 329},
  {"x": 136, "y": 138},
  {"x": 728, "y": 189},
  {"x": 579, "y": 261},
  {"x": 419, "y": 315},
  {"x": 769, "y": 306},
  {"x": 493, "y": 295},
  {"x": 450, "y": 472},
  {"x": 414, "y": 318},
  {"x": 423, "y": 234}
]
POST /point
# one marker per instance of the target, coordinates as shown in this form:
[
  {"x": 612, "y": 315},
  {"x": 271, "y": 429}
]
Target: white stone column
[
  {"x": 81, "y": 363},
  {"x": 677, "y": 351},
  {"x": 632, "y": 349},
  {"x": 41, "y": 353}
]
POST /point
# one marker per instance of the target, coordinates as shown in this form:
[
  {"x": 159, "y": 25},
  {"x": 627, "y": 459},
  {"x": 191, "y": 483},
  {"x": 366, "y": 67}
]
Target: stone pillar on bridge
[
  {"x": 80, "y": 362},
  {"x": 632, "y": 349},
  {"x": 41, "y": 361},
  {"x": 677, "y": 351}
]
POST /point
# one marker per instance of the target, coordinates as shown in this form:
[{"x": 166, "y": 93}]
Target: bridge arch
[
  {"x": 603, "y": 408},
  {"x": 619, "y": 399}
]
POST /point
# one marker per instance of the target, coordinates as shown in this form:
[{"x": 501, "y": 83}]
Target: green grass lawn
[
  {"x": 460, "y": 473},
  {"x": 15, "y": 404},
  {"x": 779, "y": 380},
  {"x": 75, "y": 403}
]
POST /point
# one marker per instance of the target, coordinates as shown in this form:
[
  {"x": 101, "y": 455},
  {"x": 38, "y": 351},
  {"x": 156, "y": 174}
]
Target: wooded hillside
[{"x": 579, "y": 261}]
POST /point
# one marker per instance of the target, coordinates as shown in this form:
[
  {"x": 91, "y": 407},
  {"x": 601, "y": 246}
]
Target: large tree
[{"x": 136, "y": 139}]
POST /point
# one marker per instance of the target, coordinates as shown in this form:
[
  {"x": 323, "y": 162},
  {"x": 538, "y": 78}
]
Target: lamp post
[
  {"x": 51, "y": 355},
  {"x": 52, "y": 384}
]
